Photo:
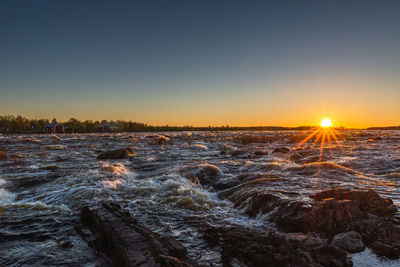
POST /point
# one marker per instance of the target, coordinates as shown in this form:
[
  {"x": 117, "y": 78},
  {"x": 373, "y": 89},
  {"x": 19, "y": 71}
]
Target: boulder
[
  {"x": 349, "y": 241},
  {"x": 116, "y": 234},
  {"x": 205, "y": 174},
  {"x": 368, "y": 201},
  {"x": 120, "y": 153},
  {"x": 244, "y": 247},
  {"x": 333, "y": 212},
  {"x": 158, "y": 140}
]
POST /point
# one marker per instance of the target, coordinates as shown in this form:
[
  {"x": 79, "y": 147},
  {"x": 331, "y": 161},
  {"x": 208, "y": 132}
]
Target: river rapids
[{"x": 174, "y": 180}]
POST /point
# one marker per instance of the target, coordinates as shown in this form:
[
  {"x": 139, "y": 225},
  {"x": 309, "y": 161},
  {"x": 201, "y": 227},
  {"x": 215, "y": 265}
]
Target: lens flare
[{"x": 326, "y": 123}]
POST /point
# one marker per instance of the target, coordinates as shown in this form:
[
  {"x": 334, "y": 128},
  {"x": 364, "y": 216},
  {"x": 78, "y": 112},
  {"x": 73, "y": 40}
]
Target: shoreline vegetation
[{"x": 11, "y": 124}]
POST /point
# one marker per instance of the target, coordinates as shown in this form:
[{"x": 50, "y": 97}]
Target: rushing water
[{"x": 46, "y": 179}]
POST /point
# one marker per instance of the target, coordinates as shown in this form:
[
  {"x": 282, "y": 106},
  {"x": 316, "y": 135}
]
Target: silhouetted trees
[{"x": 21, "y": 124}]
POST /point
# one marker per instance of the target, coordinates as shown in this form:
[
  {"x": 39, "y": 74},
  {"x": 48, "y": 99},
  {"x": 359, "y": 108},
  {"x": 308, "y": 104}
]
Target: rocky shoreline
[{"x": 339, "y": 222}]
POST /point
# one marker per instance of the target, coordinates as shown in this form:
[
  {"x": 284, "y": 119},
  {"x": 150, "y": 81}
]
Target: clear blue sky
[{"x": 202, "y": 62}]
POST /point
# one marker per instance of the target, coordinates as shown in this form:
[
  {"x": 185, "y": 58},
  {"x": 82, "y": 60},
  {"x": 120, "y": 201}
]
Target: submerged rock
[
  {"x": 120, "y": 153},
  {"x": 349, "y": 241},
  {"x": 116, "y": 234}
]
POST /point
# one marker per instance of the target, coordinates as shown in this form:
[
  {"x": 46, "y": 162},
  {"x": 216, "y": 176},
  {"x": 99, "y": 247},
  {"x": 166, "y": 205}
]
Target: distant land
[{"x": 11, "y": 124}]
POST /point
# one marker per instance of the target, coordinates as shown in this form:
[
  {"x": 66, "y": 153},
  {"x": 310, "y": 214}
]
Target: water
[{"x": 46, "y": 179}]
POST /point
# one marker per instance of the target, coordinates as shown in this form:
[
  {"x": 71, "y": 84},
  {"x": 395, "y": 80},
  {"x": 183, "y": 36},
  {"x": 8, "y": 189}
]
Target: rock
[
  {"x": 205, "y": 174},
  {"x": 256, "y": 248},
  {"x": 282, "y": 150},
  {"x": 369, "y": 201},
  {"x": 118, "y": 235},
  {"x": 159, "y": 140},
  {"x": 334, "y": 212},
  {"x": 3, "y": 154},
  {"x": 350, "y": 241},
  {"x": 120, "y": 153},
  {"x": 385, "y": 249}
]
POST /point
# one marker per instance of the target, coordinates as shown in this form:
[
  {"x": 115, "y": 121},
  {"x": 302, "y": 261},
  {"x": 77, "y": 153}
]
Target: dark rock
[
  {"x": 350, "y": 241},
  {"x": 3, "y": 154},
  {"x": 333, "y": 212},
  {"x": 385, "y": 249},
  {"x": 282, "y": 150},
  {"x": 205, "y": 174},
  {"x": 158, "y": 140},
  {"x": 369, "y": 201},
  {"x": 120, "y": 153},
  {"x": 255, "y": 248},
  {"x": 118, "y": 235}
]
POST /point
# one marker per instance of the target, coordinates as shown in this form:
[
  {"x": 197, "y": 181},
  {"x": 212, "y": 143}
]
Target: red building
[{"x": 54, "y": 128}]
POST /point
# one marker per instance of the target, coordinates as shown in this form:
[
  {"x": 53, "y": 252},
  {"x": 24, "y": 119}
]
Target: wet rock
[
  {"x": 385, "y": 249},
  {"x": 254, "y": 248},
  {"x": 118, "y": 235},
  {"x": 120, "y": 153},
  {"x": 333, "y": 212},
  {"x": 205, "y": 174},
  {"x": 3, "y": 154},
  {"x": 158, "y": 140},
  {"x": 350, "y": 241},
  {"x": 369, "y": 201},
  {"x": 282, "y": 150}
]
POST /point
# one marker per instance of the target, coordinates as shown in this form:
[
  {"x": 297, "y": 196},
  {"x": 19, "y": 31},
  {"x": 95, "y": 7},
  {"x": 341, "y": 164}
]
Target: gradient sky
[{"x": 202, "y": 62}]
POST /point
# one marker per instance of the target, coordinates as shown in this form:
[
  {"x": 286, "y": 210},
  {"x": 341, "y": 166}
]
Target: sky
[{"x": 201, "y": 63}]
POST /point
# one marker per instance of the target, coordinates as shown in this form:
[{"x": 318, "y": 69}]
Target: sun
[{"x": 326, "y": 123}]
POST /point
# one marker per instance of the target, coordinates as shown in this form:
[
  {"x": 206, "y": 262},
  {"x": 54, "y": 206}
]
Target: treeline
[
  {"x": 18, "y": 124},
  {"x": 384, "y": 128}
]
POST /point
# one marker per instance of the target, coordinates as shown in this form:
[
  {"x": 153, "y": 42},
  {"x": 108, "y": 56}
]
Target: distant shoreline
[{"x": 10, "y": 124}]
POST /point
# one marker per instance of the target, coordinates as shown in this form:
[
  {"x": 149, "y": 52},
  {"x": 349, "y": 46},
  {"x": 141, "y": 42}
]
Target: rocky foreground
[{"x": 338, "y": 222}]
